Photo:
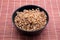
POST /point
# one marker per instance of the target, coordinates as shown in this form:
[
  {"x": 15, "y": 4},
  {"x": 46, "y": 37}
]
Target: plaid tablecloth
[{"x": 9, "y": 32}]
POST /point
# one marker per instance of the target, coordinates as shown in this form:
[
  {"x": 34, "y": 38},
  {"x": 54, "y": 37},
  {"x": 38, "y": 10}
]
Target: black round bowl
[{"x": 29, "y": 7}]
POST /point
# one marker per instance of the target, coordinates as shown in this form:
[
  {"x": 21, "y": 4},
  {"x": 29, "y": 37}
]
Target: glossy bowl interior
[{"x": 29, "y": 7}]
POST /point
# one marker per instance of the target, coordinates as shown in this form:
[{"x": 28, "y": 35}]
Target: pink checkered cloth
[{"x": 9, "y": 32}]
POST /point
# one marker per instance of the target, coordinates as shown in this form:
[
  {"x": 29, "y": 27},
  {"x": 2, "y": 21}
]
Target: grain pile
[{"x": 30, "y": 20}]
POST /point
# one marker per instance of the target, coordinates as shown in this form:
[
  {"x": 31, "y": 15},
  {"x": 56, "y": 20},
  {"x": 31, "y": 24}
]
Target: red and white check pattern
[{"x": 9, "y": 32}]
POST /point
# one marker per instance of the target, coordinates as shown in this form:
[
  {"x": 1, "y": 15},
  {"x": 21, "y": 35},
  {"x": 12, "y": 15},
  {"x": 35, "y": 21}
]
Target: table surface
[{"x": 8, "y": 30}]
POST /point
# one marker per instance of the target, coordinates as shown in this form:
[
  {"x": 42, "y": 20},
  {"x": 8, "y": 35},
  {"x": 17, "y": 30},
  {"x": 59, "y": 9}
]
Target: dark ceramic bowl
[{"x": 29, "y": 7}]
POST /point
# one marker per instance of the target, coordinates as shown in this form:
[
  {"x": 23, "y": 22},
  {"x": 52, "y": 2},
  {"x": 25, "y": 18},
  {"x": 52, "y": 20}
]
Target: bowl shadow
[{"x": 27, "y": 36}]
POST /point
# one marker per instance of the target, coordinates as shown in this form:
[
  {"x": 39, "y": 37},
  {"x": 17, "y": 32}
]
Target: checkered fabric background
[{"x": 9, "y": 32}]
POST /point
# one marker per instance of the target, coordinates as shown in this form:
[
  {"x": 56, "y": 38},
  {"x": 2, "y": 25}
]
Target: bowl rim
[{"x": 35, "y": 30}]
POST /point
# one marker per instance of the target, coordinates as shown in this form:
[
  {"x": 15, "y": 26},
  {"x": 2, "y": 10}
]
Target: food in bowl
[{"x": 30, "y": 20}]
